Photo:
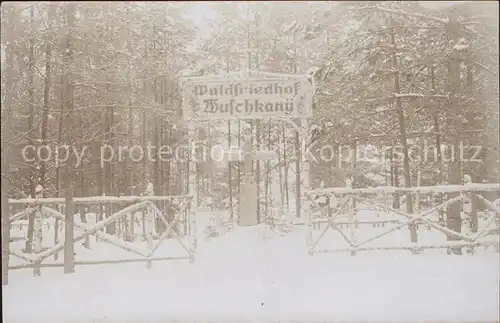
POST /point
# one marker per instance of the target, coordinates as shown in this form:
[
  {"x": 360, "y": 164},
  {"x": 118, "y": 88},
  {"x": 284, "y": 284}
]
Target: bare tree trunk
[
  {"x": 298, "y": 179},
  {"x": 257, "y": 127},
  {"x": 68, "y": 102},
  {"x": 46, "y": 98},
  {"x": 82, "y": 211},
  {"x": 391, "y": 165},
  {"x": 32, "y": 173},
  {"x": 31, "y": 98},
  {"x": 267, "y": 194},
  {"x": 156, "y": 137},
  {"x": 108, "y": 176},
  {"x": 131, "y": 169},
  {"x": 353, "y": 211},
  {"x": 474, "y": 221},
  {"x": 280, "y": 175},
  {"x": 453, "y": 216},
  {"x": 130, "y": 232},
  {"x": 297, "y": 176},
  {"x": 156, "y": 180},
  {"x": 285, "y": 164},
  {"x": 58, "y": 167},
  {"x": 161, "y": 190},
  {"x": 169, "y": 165},
  {"x": 257, "y": 169},
  {"x": 69, "y": 251},
  {"x": 239, "y": 166},
  {"x": 404, "y": 142},
  {"x": 144, "y": 138},
  {"x": 438, "y": 145}
]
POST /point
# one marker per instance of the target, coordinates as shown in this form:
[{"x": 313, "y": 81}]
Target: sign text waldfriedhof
[{"x": 247, "y": 99}]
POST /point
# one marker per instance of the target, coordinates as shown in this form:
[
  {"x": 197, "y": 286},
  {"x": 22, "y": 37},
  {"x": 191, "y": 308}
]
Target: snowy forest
[
  {"x": 405, "y": 96},
  {"x": 388, "y": 74}
]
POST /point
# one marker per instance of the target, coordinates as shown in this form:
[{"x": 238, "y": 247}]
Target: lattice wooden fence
[
  {"x": 179, "y": 225},
  {"x": 350, "y": 203}
]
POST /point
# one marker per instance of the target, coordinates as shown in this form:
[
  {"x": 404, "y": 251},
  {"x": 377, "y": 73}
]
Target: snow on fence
[
  {"x": 43, "y": 210},
  {"x": 341, "y": 208}
]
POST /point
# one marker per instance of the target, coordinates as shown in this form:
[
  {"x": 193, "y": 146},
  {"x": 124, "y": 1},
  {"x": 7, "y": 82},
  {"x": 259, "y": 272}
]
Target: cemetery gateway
[{"x": 236, "y": 96}]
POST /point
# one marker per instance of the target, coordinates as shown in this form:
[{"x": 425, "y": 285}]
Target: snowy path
[{"x": 241, "y": 276}]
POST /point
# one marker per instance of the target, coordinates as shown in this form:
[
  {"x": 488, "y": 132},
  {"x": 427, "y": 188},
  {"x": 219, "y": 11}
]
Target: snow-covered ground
[{"x": 250, "y": 274}]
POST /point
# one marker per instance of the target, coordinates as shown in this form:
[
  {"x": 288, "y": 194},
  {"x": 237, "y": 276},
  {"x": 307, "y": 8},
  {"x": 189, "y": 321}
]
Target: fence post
[
  {"x": 149, "y": 221},
  {"x": 101, "y": 216},
  {"x": 111, "y": 227},
  {"x": 5, "y": 236},
  {"x": 132, "y": 226},
  {"x": 59, "y": 208},
  {"x": 69, "y": 247},
  {"x": 37, "y": 236},
  {"x": 83, "y": 218},
  {"x": 144, "y": 224}
]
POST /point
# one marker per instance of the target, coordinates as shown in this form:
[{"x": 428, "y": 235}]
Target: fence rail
[{"x": 96, "y": 199}]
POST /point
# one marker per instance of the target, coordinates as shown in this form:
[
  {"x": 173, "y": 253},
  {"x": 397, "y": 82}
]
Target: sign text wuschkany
[{"x": 249, "y": 99}]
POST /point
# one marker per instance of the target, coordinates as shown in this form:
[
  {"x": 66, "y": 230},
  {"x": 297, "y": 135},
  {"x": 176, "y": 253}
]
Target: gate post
[{"x": 132, "y": 226}]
